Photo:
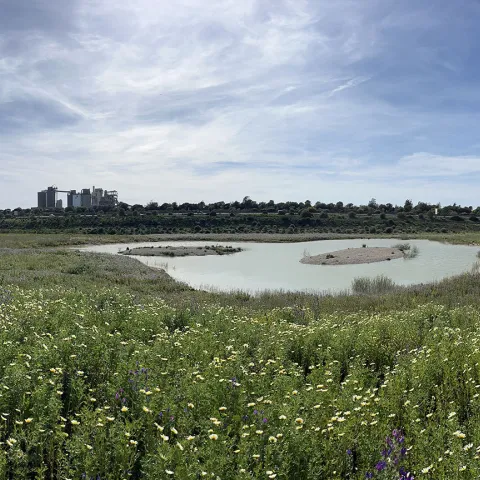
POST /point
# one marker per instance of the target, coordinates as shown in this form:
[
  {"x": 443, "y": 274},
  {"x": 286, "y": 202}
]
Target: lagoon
[{"x": 276, "y": 266}]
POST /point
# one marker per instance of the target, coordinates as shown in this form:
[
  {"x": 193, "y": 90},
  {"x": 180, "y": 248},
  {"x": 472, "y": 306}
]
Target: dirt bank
[
  {"x": 168, "y": 251},
  {"x": 351, "y": 256}
]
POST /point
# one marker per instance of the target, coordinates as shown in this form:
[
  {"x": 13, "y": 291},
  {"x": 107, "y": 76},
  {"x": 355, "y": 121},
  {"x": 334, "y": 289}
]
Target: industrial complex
[{"x": 96, "y": 197}]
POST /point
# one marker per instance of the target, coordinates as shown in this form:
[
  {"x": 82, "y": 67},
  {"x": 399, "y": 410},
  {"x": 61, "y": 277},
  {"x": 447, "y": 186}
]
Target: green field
[{"x": 112, "y": 370}]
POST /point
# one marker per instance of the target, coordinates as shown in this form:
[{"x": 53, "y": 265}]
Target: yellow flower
[
  {"x": 190, "y": 405},
  {"x": 222, "y": 409},
  {"x": 146, "y": 409},
  {"x": 213, "y": 436},
  {"x": 299, "y": 421},
  {"x": 133, "y": 442},
  {"x": 110, "y": 419},
  {"x": 190, "y": 438},
  {"x": 75, "y": 422},
  {"x": 174, "y": 430},
  {"x": 28, "y": 420},
  {"x": 124, "y": 409},
  {"x": 89, "y": 447}
]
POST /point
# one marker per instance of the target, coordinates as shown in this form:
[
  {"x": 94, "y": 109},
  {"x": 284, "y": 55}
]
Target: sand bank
[
  {"x": 352, "y": 256},
  {"x": 167, "y": 251}
]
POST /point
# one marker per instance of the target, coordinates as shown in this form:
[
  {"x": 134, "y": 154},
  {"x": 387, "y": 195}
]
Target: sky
[{"x": 193, "y": 100}]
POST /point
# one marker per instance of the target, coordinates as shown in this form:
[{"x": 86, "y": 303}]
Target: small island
[
  {"x": 352, "y": 256},
  {"x": 169, "y": 251}
]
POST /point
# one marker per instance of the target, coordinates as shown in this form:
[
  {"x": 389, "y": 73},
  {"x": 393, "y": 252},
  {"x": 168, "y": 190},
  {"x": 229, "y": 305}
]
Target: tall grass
[{"x": 373, "y": 286}]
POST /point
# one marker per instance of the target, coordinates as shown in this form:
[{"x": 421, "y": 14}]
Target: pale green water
[{"x": 275, "y": 266}]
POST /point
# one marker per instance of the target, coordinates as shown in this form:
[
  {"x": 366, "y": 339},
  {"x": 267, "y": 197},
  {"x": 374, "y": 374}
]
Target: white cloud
[{"x": 212, "y": 99}]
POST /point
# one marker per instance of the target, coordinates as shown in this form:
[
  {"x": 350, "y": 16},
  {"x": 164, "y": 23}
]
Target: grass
[
  {"x": 373, "y": 286},
  {"x": 111, "y": 370}
]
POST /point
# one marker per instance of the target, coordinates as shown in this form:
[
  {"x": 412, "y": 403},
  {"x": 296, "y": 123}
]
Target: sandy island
[
  {"x": 352, "y": 256},
  {"x": 168, "y": 251}
]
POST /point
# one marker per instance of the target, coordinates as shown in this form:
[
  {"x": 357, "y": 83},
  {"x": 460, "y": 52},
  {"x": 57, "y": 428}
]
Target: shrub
[{"x": 373, "y": 286}]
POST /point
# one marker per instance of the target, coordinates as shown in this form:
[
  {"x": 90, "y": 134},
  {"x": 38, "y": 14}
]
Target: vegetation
[
  {"x": 110, "y": 369},
  {"x": 408, "y": 251},
  {"x": 373, "y": 286},
  {"x": 247, "y": 216}
]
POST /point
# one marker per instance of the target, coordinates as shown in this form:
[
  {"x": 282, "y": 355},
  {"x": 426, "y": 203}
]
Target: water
[{"x": 276, "y": 266}]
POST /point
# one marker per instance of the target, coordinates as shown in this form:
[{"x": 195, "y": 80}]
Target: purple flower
[
  {"x": 265, "y": 420},
  {"x": 369, "y": 475},
  {"x": 349, "y": 452},
  {"x": 381, "y": 465}
]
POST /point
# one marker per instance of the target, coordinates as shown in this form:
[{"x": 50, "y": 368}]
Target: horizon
[{"x": 191, "y": 102}]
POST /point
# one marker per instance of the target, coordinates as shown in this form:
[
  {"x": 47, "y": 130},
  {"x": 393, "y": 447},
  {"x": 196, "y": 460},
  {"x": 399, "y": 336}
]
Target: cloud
[{"x": 193, "y": 100}]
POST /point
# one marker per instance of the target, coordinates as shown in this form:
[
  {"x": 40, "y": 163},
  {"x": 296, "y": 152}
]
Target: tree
[
  {"x": 408, "y": 205},
  {"x": 373, "y": 203}
]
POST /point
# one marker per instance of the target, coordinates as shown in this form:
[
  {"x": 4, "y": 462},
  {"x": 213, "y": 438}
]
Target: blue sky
[{"x": 215, "y": 100}]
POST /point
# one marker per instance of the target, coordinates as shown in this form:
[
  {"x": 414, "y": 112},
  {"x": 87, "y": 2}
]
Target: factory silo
[
  {"x": 42, "y": 199},
  {"x": 51, "y": 194}
]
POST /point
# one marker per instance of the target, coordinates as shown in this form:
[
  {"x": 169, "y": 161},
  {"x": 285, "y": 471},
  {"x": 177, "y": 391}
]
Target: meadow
[{"x": 111, "y": 370}]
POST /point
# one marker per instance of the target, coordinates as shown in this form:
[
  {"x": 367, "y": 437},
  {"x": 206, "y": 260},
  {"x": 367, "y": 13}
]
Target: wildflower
[
  {"x": 89, "y": 447},
  {"x": 133, "y": 442},
  {"x": 259, "y": 432},
  {"x": 282, "y": 417},
  {"x": 272, "y": 439},
  {"x": 146, "y": 409},
  {"x": 299, "y": 421},
  {"x": 222, "y": 409},
  {"x": 190, "y": 438},
  {"x": 427, "y": 469},
  {"x": 169, "y": 472},
  {"x": 28, "y": 420},
  {"x": 190, "y": 405},
  {"x": 110, "y": 419},
  {"x": 174, "y": 430},
  {"x": 213, "y": 436},
  {"x": 164, "y": 437},
  {"x": 459, "y": 434},
  {"x": 75, "y": 422},
  {"x": 468, "y": 447},
  {"x": 124, "y": 409},
  {"x": 179, "y": 445}
]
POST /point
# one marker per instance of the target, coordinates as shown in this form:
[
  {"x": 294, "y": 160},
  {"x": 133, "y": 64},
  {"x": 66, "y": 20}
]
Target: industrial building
[{"x": 96, "y": 197}]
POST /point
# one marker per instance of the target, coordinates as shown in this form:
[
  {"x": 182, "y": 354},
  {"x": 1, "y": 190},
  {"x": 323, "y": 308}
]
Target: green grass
[{"x": 109, "y": 369}]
